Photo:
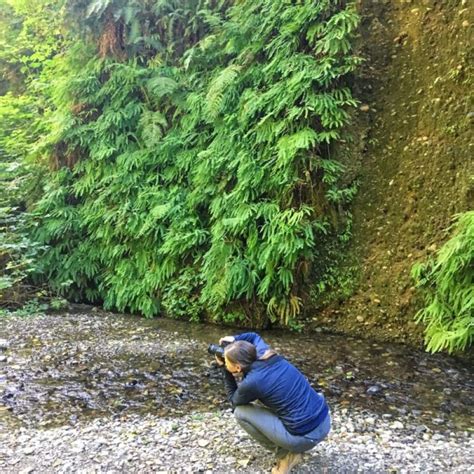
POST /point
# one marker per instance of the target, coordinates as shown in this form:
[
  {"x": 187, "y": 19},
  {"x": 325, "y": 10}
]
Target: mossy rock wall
[{"x": 415, "y": 155}]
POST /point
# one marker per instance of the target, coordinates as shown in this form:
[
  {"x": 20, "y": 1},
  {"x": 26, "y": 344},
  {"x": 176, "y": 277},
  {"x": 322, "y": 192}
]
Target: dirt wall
[{"x": 414, "y": 156}]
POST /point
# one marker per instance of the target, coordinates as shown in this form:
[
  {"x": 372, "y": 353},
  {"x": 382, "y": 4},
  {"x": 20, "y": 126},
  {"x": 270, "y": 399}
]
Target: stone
[
  {"x": 4, "y": 344},
  {"x": 27, "y": 470},
  {"x": 364, "y": 108},
  {"x": 373, "y": 389}
]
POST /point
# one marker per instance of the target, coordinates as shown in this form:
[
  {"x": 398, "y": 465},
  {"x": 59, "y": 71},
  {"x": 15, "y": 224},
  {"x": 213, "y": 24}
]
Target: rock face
[{"x": 413, "y": 158}]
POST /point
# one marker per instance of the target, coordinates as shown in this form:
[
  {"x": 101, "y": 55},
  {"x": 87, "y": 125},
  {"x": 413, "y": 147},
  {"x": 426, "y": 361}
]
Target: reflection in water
[{"x": 70, "y": 367}]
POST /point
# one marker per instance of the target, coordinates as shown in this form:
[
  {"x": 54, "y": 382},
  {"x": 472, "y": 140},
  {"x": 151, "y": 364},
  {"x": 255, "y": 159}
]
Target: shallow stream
[{"x": 62, "y": 369}]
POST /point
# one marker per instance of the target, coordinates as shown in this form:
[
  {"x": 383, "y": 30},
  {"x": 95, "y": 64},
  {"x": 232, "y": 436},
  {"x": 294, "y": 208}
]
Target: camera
[{"x": 217, "y": 350}]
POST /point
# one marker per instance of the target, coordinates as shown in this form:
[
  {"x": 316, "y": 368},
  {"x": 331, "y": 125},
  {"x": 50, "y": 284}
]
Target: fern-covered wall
[
  {"x": 200, "y": 159},
  {"x": 194, "y": 167}
]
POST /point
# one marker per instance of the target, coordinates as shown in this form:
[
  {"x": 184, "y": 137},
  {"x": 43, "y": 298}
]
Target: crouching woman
[{"x": 295, "y": 417}]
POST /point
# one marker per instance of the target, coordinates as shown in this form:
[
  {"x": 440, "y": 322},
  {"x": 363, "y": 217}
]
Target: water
[{"x": 67, "y": 368}]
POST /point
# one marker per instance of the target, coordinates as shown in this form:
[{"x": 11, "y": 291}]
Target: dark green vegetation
[
  {"x": 178, "y": 158},
  {"x": 194, "y": 167}
]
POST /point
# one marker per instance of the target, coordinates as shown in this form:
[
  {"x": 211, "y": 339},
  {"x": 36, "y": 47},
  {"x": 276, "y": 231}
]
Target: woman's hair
[{"x": 241, "y": 352}]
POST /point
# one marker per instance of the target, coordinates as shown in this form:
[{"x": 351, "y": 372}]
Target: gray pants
[{"x": 268, "y": 430}]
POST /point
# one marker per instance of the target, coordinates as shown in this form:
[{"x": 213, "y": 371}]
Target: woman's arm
[{"x": 239, "y": 394}]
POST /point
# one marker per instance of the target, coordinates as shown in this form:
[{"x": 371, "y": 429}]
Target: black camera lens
[{"x": 216, "y": 349}]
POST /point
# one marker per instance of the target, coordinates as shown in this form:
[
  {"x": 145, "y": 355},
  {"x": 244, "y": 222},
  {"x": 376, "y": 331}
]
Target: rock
[
  {"x": 4, "y": 344},
  {"x": 78, "y": 447},
  {"x": 373, "y": 389},
  {"x": 27, "y": 470},
  {"x": 465, "y": 24},
  {"x": 3, "y": 358},
  {"x": 364, "y": 108},
  {"x": 180, "y": 438}
]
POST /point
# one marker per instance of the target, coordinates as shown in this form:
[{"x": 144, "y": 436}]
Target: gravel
[
  {"x": 211, "y": 442},
  {"x": 55, "y": 371}
]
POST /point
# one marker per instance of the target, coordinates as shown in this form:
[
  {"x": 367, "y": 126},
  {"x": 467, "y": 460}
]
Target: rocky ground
[
  {"x": 99, "y": 392},
  {"x": 212, "y": 443}
]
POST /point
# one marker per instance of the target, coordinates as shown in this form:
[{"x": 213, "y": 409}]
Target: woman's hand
[
  {"x": 219, "y": 361},
  {"x": 227, "y": 339}
]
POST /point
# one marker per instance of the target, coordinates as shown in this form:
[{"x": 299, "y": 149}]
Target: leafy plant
[
  {"x": 448, "y": 285},
  {"x": 29, "y": 40},
  {"x": 195, "y": 166}
]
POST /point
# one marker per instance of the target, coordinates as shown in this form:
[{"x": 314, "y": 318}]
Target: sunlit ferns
[
  {"x": 206, "y": 172},
  {"x": 448, "y": 285}
]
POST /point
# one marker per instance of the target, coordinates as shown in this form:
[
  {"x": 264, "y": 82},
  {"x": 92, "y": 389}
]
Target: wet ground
[{"x": 64, "y": 369}]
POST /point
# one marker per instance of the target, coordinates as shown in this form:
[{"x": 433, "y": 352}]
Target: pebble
[{"x": 372, "y": 390}]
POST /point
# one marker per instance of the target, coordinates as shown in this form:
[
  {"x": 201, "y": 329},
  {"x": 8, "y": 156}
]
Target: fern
[
  {"x": 205, "y": 177},
  {"x": 448, "y": 283},
  {"x": 219, "y": 87}
]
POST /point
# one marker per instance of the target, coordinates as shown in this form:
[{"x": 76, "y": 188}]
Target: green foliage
[
  {"x": 198, "y": 174},
  {"x": 448, "y": 284},
  {"x": 29, "y": 39},
  {"x": 181, "y": 296}
]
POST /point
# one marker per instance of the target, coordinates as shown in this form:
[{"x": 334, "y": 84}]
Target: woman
[{"x": 295, "y": 417}]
